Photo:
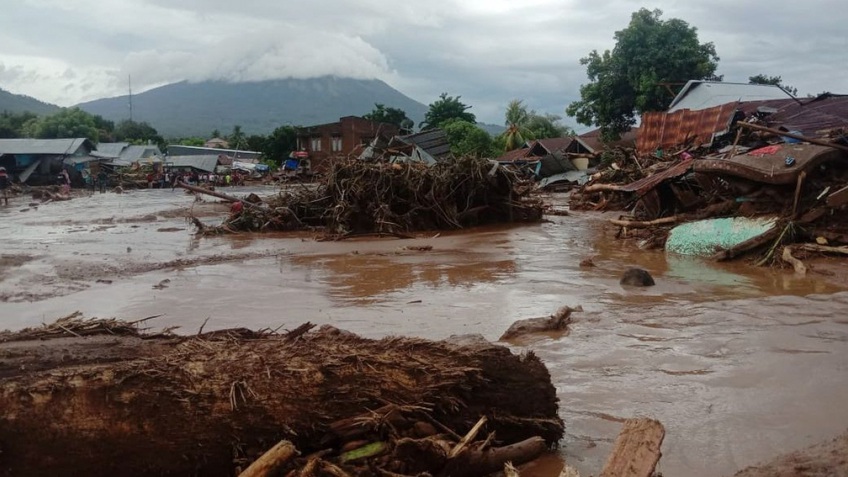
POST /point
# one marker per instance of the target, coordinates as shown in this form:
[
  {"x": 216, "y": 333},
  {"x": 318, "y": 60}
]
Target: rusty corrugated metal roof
[
  {"x": 813, "y": 118},
  {"x": 665, "y": 130},
  {"x": 645, "y": 184}
]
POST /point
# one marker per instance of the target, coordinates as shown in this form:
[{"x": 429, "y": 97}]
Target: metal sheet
[{"x": 647, "y": 183}]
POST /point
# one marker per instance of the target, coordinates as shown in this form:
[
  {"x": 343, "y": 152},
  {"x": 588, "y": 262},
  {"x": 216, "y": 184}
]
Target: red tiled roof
[
  {"x": 515, "y": 154},
  {"x": 555, "y": 144}
]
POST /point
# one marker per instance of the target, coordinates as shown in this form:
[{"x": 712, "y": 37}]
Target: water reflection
[{"x": 370, "y": 278}]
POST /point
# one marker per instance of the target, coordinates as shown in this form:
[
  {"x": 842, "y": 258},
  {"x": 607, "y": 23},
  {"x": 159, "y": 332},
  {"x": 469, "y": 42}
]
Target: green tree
[
  {"x": 543, "y": 126},
  {"x": 137, "y": 132},
  {"x": 215, "y": 133},
  {"x": 237, "y": 139},
  {"x": 466, "y": 139},
  {"x": 629, "y": 80},
  {"x": 12, "y": 124},
  {"x": 773, "y": 80},
  {"x": 188, "y": 141},
  {"x": 66, "y": 123},
  {"x": 280, "y": 144},
  {"x": 517, "y": 119},
  {"x": 255, "y": 142},
  {"x": 447, "y": 107},
  {"x": 395, "y": 116}
]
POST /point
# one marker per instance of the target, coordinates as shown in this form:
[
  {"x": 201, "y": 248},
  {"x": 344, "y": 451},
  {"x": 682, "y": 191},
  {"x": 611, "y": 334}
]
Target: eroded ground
[{"x": 739, "y": 363}]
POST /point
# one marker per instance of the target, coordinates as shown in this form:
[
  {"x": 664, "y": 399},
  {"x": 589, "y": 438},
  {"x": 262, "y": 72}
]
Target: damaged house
[{"x": 39, "y": 161}]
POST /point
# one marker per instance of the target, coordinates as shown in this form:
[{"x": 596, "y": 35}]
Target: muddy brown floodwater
[{"x": 739, "y": 363}]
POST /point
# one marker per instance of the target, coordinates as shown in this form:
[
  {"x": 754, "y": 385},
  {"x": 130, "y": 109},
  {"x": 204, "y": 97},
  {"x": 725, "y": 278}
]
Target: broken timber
[{"x": 637, "y": 449}]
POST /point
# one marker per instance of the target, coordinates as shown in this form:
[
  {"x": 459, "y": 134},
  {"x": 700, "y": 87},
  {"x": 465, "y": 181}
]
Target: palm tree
[{"x": 517, "y": 119}]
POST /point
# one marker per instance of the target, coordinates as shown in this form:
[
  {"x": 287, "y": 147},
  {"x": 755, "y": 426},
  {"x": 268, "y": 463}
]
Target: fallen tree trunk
[{"x": 208, "y": 404}]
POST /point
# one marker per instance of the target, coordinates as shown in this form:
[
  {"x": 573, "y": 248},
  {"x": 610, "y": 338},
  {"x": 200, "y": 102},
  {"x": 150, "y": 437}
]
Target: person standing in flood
[
  {"x": 5, "y": 184},
  {"x": 65, "y": 181},
  {"x": 101, "y": 179}
]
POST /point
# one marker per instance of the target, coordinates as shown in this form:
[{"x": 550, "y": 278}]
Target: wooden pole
[
  {"x": 819, "y": 142},
  {"x": 201, "y": 190}
]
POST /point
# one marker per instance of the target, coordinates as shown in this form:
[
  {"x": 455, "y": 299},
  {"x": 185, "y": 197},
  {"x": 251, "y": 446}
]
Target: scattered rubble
[{"x": 776, "y": 175}]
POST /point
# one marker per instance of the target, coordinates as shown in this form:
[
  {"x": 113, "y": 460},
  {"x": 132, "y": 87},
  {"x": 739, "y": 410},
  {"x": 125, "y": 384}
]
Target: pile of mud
[{"x": 124, "y": 403}]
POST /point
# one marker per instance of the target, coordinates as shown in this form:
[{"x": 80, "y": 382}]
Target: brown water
[{"x": 739, "y": 363}]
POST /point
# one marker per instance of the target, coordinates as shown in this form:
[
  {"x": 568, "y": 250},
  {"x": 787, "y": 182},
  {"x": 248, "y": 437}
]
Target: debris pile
[
  {"x": 781, "y": 174},
  {"x": 358, "y": 197},
  {"x": 211, "y": 404}
]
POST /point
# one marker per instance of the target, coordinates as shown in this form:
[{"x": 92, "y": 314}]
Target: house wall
[{"x": 353, "y": 132}]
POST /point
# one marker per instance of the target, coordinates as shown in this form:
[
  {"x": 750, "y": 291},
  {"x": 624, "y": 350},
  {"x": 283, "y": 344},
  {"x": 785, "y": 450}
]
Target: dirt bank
[{"x": 826, "y": 459}]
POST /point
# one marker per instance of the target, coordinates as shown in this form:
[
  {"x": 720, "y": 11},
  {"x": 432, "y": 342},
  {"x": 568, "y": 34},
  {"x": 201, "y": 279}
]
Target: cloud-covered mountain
[
  {"x": 18, "y": 103},
  {"x": 196, "y": 109}
]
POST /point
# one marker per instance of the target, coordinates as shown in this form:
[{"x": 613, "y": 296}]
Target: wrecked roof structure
[
  {"x": 124, "y": 153},
  {"x": 433, "y": 141},
  {"x": 544, "y": 157},
  {"x": 782, "y": 162},
  {"x": 204, "y": 163},
  {"x": 54, "y": 147},
  {"x": 427, "y": 147},
  {"x": 699, "y": 128},
  {"x": 697, "y": 94},
  {"x": 24, "y": 158},
  {"x": 245, "y": 156}
]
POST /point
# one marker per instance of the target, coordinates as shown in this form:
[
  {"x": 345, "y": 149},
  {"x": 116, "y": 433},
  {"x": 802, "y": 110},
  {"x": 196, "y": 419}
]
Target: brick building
[{"x": 349, "y": 135}]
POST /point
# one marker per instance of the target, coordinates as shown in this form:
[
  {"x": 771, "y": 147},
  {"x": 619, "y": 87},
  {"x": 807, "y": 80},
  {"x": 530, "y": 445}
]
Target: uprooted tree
[{"x": 649, "y": 54}]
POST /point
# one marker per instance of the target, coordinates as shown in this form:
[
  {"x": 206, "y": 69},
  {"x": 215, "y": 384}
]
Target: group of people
[{"x": 194, "y": 178}]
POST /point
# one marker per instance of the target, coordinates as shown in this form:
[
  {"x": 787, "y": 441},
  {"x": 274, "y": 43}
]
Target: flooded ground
[{"x": 739, "y": 363}]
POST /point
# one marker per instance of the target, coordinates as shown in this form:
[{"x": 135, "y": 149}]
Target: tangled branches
[{"x": 359, "y": 197}]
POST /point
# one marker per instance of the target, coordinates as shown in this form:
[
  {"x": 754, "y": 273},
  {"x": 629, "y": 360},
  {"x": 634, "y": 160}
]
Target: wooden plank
[
  {"x": 838, "y": 198},
  {"x": 637, "y": 449}
]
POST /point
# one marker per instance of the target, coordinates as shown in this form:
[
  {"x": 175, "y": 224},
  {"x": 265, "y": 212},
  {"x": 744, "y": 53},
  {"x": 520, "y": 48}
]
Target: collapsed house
[
  {"x": 427, "y": 147},
  {"x": 766, "y": 171}
]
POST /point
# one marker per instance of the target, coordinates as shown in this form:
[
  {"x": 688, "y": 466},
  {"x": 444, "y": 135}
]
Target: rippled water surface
[{"x": 739, "y": 363}]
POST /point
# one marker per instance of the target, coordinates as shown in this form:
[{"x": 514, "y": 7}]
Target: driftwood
[
  {"x": 798, "y": 265},
  {"x": 271, "y": 461},
  {"x": 637, "y": 449},
  {"x": 558, "y": 322},
  {"x": 747, "y": 245},
  {"x": 206, "y": 404},
  {"x": 777, "y": 132},
  {"x": 638, "y": 224}
]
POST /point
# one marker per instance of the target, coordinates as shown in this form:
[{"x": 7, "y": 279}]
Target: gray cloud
[{"x": 487, "y": 51}]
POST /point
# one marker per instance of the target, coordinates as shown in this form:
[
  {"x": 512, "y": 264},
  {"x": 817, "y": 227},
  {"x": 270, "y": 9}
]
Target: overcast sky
[{"x": 486, "y": 51}]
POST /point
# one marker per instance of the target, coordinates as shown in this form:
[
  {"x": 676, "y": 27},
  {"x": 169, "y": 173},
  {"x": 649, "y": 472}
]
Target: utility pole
[{"x": 129, "y": 81}]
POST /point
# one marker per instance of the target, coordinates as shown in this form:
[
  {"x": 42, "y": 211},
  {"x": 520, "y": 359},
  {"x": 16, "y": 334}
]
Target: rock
[
  {"x": 637, "y": 277},
  {"x": 559, "y": 321},
  {"x": 587, "y": 263}
]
